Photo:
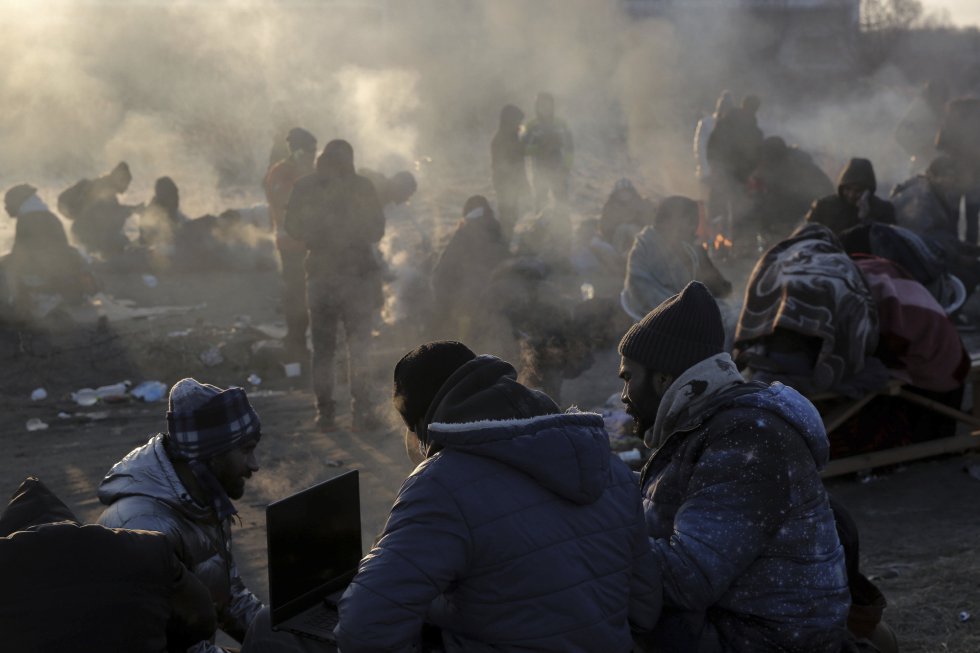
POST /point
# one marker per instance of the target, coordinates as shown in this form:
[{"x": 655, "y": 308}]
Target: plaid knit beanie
[
  {"x": 684, "y": 330},
  {"x": 205, "y": 421}
]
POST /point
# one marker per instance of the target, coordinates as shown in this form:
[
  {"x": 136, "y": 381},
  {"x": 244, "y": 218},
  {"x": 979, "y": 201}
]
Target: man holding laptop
[{"x": 519, "y": 531}]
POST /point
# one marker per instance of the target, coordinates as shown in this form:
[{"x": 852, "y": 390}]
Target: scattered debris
[
  {"x": 150, "y": 281},
  {"x": 964, "y": 616},
  {"x": 149, "y": 391},
  {"x": 254, "y": 379},
  {"x": 63, "y": 415},
  {"x": 292, "y": 370},
  {"x": 115, "y": 393},
  {"x": 333, "y": 463},
  {"x": 211, "y": 357},
  {"x": 266, "y": 393},
  {"x": 179, "y": 333},
  {"x": 39, "y": 394},
  {"x": 34, "y": 424},
  {"x": 85, "y": 397}
]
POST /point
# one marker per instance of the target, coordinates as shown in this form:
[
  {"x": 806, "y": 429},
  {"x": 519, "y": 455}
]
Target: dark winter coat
[
  {"x": 143, "y": 491},
  {"x": 833, "y": 212},
  {"x": 507, "y": 163},
  {"x": 740, "y": 523},
  {"x": 339, "y": 219},
  {"x": 789, "y": 182},
  {"x": 69, "y": 587},
  {"x": 461, "y": 275},
  {"x": 523, "y": 532},
  {"x": 734, "y": 145}
]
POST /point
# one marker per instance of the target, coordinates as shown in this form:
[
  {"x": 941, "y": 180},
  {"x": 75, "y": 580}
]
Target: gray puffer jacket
[{"x": 143, "y": 491}]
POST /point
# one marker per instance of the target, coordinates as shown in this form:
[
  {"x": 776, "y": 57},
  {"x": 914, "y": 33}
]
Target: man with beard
[
  {"x": 181, "y": 484},
  {"x": 737, "y": 515}
]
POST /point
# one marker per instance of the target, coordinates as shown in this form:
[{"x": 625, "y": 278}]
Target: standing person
[
  {"x": 278, "y": 185},
  {"x": 508, "y": 169},
  {"x": 549, "y": 145},
  {"x": 916, "y": 133},
  {"x": 733, "y": 153},
  {"x": 737, "y": 515},
  {"x": 959, "y": 137},
  {"x": 702, "y": 132},
  {"x": 181, "y": 483},
  {"x": 855, "y": 201},
  {"x": 336, "y": 214}
]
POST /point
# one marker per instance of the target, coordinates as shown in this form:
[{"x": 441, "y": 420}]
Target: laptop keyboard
[{"x": 319, "y": 623}]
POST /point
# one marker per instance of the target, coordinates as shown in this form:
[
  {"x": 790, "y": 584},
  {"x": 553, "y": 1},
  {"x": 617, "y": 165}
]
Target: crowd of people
[{"x": 520, "y": 529}]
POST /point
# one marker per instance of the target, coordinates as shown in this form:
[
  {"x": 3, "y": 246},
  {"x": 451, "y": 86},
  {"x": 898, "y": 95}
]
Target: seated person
[
  {"x": 665, "y": 257},
  {"x": 785, "y": 183},
  {"x": 97, "y": 217},
  {"x": 42, "y": 270},
  {"x": 737, "y": 515},
  {"x": 181, "y": 483},
  {"x": 809, "y": 318},
  {"x": 595, "y": 261},
  {"x": 624, "y": 215},
  {"x": 69, "y": 587},
  {"x": 162, "y": 217},
  {"x": 928, "y": 204},
  {"x": 855, "y": 201}
]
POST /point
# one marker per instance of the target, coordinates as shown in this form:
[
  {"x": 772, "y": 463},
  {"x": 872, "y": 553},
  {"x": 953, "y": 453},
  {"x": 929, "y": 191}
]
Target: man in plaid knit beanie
[{"x": 182, "y": 483}]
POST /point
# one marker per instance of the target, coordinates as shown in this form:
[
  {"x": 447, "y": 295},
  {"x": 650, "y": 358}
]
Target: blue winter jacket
[
  {"x": 521, "y": 532},
  {"x": 742, "y": 528}
]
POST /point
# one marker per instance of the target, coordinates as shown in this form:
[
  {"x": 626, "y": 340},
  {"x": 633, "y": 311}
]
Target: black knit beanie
[
  {"x": 420, "y": 374},
  {"x": 684, "y": 330}
]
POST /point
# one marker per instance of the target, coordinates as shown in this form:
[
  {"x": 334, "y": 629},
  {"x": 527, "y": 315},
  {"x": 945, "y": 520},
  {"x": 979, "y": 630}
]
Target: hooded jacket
[
  {"x": 833, "y": 212},
  {"x": 143, "y": 491},
  {"x": 739, "y": 519},
  {"x": 115, "y": 590},
  {"x": 519, "y": 532}
]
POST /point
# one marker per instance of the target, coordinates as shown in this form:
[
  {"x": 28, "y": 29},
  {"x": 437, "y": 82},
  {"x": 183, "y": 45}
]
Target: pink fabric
[{"x": 918, "y": 342}]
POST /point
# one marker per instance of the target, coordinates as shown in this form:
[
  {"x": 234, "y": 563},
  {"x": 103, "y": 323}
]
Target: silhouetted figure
[
  {"x": 96, "y": 214},
  {"x": 508, "y": 168},
  {"x": 278, "y": 184},
  {"x": 550, "y": 148},
  {"x": 855, "y": 202}
]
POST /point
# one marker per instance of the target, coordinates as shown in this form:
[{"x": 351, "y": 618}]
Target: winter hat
[
  {"x": 684, "y": 330},
  {"x": 16, "y": 196},
  {"x": 421, "y": 372},
  {"x": 205, "y": 421},
  {"x": 300, "y": 139}
]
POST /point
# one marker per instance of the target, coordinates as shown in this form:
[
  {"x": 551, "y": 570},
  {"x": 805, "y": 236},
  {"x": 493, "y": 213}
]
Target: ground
[{"x": 918, "y": 523}]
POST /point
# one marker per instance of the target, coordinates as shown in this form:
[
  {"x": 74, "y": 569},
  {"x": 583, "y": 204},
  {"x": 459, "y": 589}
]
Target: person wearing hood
[
  {"x": 519, "y": 531},
  {"x": 337, "y": 216},
  {"x": 40, "y": 262},
  {"x": 737, "y": 515},
  {"x": 182, "y": 483},
  {"x": 278, "y": 184},
  {"x": 624, "y": 215},
  {"x": 507, "y": 167},
  {"x": 459, "y": 279},
  {"x": 69, "y": 586},
  {"x": 855, "y": 202}
]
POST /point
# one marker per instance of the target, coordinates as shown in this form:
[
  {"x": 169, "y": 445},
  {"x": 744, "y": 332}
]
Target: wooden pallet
[{"x": 836, "y": 416}]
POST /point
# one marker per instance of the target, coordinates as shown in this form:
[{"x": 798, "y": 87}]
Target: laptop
[{"x": 314, "y": 540}]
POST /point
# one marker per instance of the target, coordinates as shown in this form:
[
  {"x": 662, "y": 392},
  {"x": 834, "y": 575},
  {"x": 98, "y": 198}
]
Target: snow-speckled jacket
[
  {"x": 523, "y": 533},
  {"x": 741, "y": 524},
  {"x": 143, "y": 491}
]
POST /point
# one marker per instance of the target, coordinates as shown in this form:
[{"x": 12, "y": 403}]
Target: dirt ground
[{"x": 919, "y": 523}]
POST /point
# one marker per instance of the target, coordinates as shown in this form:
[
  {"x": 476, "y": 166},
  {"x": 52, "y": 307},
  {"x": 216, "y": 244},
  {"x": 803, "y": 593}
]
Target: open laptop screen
[{"x": 314, "y": 540}]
